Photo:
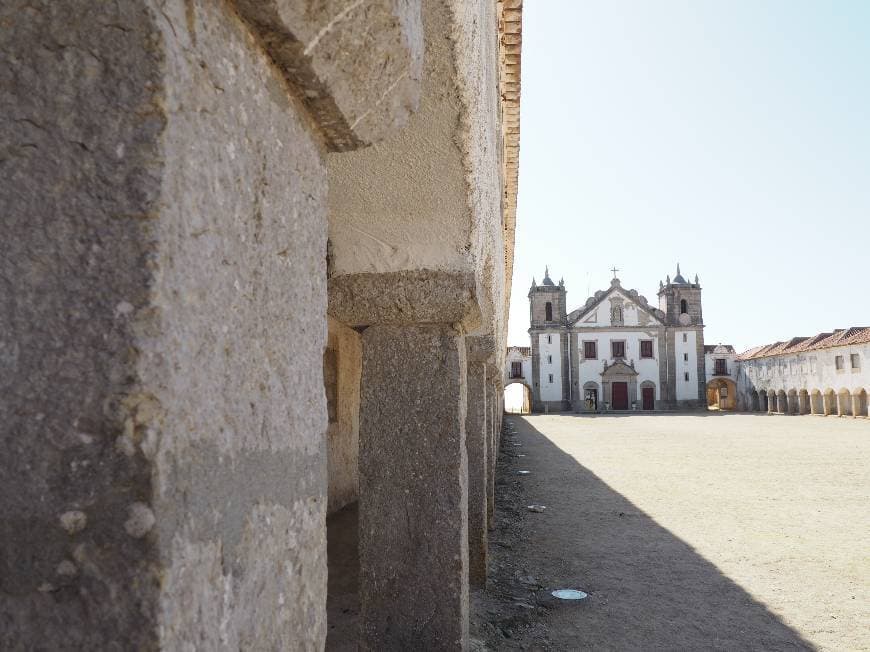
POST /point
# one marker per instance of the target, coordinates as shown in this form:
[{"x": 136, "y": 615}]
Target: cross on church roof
[{"x": 614, "y": 270}]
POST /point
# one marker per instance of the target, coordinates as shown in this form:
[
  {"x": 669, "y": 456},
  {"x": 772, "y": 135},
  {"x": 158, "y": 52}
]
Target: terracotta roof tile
[{"x": 839, "y": 337}]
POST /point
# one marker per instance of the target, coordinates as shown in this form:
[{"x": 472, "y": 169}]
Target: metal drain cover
[
  {"x": 523, "y": 472},
  {"x": 569, "y": 594}
]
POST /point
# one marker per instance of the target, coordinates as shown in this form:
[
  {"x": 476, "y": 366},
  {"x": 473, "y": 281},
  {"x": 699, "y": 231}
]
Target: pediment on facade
[
  {"x": 598, "y": 310},
  {"x": 618, "y": 369}
]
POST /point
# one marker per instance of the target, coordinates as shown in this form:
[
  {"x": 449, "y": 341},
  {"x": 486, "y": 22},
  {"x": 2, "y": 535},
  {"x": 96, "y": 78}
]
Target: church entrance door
[
  {"x": 620, "y": 396},
  {"x": 649, "y": 398}
]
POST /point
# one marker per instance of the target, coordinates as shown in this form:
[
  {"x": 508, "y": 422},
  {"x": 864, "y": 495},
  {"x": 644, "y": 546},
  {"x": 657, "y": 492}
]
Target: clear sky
[{"x": 731, "y": 136}]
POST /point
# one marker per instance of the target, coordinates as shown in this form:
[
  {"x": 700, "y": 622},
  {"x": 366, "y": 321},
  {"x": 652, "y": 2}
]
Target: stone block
[
  {"x": 164, "y": 221},
  {"x": 356, "y": 65}
]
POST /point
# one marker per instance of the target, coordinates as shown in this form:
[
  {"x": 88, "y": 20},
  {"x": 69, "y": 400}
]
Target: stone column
[
  {"x": 492, "y": 403},
  {"x": 813, "y": 407},
  {"x": 413, "y": 508},
  {"x": 829, "y": 404},
  {"x": 162, "y": 408},
  {"x": 842, "y": 406},
  {"x": 791, "y": 404},
  {"x": 492, "y": 395},
  {"x": 856, "y": 405},
  {"x": 803, "y": 403},
  {"x": 771, "y": 403},
  {"x": 478, "y": 445}
]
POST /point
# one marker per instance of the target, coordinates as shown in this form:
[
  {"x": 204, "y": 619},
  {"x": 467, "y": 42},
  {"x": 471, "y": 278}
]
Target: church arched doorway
[
  {"x": 721, "y": 394},
  {"x": 517, "y": 398}
]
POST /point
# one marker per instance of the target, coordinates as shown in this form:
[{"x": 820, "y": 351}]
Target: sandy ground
[{"x": 689, "y": 532}]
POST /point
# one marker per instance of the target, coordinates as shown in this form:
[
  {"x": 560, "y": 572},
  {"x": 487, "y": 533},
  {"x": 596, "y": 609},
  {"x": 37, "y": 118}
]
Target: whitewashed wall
[
  {"x": 814, "y": 370},
  {"x": 526, "y": 360},
  {"x": 686, "y": 390},
  {"x": 550, "y": 391},
  {"x": 647, "y": 368},
  {"x": 710, "y": 365}
]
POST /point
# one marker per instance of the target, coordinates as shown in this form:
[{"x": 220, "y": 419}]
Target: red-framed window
[
  {"x": 516, "y": 369},
  {"x": 590, "y": 350},
  {"x": 646, "y": 348},
  {"x": 617, "y": 349},
  {"x": 721, "y": 367}
]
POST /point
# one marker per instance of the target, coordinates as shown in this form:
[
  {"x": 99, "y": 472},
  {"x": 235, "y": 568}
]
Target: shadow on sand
[{"x": 648, "y": 590}]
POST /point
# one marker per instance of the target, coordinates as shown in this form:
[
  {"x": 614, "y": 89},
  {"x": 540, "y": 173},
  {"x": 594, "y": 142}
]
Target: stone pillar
[
  {"x": 478, "y": 445},
  {"x": 771, "y": 403},
  {"x": 495, "y": 404},
  {"x": 413, "y": 508},
  {"x": 829, "y": 403},
  {"x": 814, "y": 408},
  {"x": 161, "y": 390},
  {"x": 843, "y": 404},
  {"x": 791, "y": 404},
  {"x": 497, "y": 401},
  {"x": 856, "y": 405},
  {"x": 803, "y": 403}
]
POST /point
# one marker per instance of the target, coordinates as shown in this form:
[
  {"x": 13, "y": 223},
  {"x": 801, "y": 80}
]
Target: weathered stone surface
[
  {"x": 342, "y": 435},
  {"x": 81, "y": 180},
  {"x": 480, "y": 348},
  {"x": 356, "y": 65},
  {"x": 430, "y": 196},
  {"x": 409, "y": 297},
  {"x": 164, "y": 221},
  {"x": 413, "y": 489},
  {"x": 478, "y": 444},
  {"x": 492, "y": 450}
]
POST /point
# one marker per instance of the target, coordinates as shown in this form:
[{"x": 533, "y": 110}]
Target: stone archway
[
  {"x": 829, "y": 402},
  {"x": 754, "y": 401},
  {"x": 591, "y": 401},
  {"x": 647, "y": 395},
  {"x": 803, "y": 402},
  {"x": 721, "y": 394},
  {"x": 514, "y": 404},
  {"x": 859, "y": 403},
  {"x": 844, "y": 403},
  {"x": 816, "y": 402}
]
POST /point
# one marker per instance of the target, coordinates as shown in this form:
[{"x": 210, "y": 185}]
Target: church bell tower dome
[
  {"x": 678, "y": 279},
  {"x": 547, "y": 280}
]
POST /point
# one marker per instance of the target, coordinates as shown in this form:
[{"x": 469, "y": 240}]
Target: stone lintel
[
  {"x": 407, "y": 297},
  {"x": 356, "y": 66}
]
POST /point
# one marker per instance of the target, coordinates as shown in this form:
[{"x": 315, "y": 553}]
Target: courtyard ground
[{"x": 688, "y": 532}]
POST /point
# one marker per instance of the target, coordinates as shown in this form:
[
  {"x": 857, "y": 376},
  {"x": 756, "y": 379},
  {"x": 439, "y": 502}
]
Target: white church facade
[{"x": 617, "y": 352}]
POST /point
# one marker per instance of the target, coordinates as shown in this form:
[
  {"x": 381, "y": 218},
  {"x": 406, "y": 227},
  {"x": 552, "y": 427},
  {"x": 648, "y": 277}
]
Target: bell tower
[
  {"x": 547, "y": 303},
  {"x": 681, "y": 301}
]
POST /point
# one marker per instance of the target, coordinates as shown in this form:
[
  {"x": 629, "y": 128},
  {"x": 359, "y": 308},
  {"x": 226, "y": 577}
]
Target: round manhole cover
[{"x": 569, "y": 594}]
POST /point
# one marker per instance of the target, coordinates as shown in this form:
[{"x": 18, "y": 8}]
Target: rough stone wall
[
  {"x": 342, "y": 435},
  {"x": 174, "y": 481},
  {"x": 81, "y": 183}
]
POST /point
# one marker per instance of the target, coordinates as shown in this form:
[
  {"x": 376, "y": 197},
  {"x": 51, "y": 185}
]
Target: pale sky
[{"x": 732, "y": 137}]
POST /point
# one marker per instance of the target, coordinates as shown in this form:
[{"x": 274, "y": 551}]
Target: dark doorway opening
[
  {"x": 649, "y": 398},
  {"x": 620, "y": 396}
]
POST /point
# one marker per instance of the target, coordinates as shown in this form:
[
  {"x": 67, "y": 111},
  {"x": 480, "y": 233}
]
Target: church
[{"x": 617, "y": 352}]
